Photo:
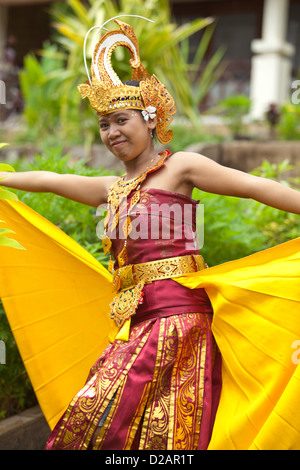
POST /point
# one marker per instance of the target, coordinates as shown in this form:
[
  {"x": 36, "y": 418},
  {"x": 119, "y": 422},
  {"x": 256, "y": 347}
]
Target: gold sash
[{"x": 129, "y": 281}]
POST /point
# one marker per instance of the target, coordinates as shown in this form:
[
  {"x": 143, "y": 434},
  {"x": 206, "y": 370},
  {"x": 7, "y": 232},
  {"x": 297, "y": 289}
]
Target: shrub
[
  {"x": 289, "y": 123},
  {"x": 234, "y": 109}
]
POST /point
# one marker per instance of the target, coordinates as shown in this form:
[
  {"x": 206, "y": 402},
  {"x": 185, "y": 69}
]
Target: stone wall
[
  {"x": 242, "y": 155},
  {"x": 26, "y": 431},
  {"x": 248, "y": 155}
]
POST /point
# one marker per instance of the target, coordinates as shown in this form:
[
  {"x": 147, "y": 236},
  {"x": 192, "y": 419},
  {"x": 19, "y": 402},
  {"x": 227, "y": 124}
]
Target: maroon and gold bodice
[{"x": 163, "y": 225}]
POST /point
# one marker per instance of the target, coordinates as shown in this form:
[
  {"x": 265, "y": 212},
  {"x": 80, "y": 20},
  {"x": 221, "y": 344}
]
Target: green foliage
[
  {"x": 185, "y": 135},
  {"x": 4, "y": 194},
  {"x": 16, "y": 392},
  {"x": 203, "y": 73},
  {"x": 41, "y": 98},
  {"x": 276, "y": 171},
  {"x": 289, "y": 124},
  {"x": 6, "y": 241},
  {"x": 234, "y": 108},
  {"x": 47, "y": 93}
]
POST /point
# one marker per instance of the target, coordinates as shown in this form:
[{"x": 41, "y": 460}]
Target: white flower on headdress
[{"x": 149, "y": 112}]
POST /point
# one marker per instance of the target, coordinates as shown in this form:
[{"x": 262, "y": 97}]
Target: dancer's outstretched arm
[{"x": 90, "y": 190}]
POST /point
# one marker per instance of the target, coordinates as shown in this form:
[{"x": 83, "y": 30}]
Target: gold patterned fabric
[
  {"x": 132, "y": 274},
  {"x": 169, "y": 362},
  {"x": 130, "y": 280},
  {"x": 117, "y": 204}
]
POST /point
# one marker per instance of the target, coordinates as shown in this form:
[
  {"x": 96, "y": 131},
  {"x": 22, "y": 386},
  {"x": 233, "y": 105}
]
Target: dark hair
[
  {"x": 132, "y": 83},
  {"x": 137, "y": 84}
]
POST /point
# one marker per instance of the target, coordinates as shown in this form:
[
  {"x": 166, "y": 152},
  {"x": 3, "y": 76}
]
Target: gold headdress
[{"x": 107, "y": 93}]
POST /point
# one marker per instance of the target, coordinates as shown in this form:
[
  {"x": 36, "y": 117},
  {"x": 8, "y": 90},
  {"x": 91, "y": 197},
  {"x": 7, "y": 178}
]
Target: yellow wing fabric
[
  {"x": 56, "y": 297},
  {"x": 256, "y": 324}
]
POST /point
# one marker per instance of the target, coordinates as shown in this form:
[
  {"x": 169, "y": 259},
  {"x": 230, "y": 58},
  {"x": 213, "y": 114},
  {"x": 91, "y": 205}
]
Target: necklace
[
  {"x": 143, "y": 172},
  {"x": 117, "y": 195}
]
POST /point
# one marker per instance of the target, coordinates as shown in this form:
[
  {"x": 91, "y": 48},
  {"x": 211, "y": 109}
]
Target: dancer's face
[{"x": 125, "y": 133}]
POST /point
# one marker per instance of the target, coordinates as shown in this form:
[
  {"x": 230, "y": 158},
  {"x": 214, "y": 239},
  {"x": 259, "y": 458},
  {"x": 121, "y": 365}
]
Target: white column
[{"x": 271, "y": 64}]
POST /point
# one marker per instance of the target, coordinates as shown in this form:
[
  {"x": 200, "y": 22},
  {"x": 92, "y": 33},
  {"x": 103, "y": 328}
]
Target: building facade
[{"x": 262, "y": 39}]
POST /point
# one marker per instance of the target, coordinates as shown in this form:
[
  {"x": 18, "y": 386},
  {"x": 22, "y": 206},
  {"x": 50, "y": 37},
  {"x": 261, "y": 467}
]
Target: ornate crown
[{"x": 107, "y": 93}]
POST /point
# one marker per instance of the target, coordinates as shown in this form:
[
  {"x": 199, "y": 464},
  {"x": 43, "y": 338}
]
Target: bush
[
  {"x": 16, "y": 393},
  {"x": 289, "y": 123},
  {"x": 53, "y": 111},
  {"x": 234, "y": 109},
  {"x": 186, "y": 135}
]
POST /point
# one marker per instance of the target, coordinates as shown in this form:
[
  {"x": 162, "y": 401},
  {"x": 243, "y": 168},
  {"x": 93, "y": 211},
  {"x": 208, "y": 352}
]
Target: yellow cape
[{"x": 56, "y": 297}]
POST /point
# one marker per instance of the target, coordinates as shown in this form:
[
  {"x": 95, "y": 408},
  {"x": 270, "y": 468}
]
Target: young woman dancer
[{"x": 157, "y": 385}]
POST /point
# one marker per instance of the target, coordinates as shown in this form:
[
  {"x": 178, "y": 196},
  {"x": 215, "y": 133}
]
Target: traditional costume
[{"x": 160, "y": 383}]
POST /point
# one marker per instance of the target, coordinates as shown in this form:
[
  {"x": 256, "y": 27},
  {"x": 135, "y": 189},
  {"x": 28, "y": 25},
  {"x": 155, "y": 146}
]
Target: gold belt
[{"x": 129, "y": 281}]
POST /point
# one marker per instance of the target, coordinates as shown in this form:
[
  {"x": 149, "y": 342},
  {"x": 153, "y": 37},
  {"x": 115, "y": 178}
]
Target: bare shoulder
[
  {"x": 109, "y": 181},
  {"x": 196, "y": 170},
  {"x": 206, "y": 174},
  {"x": 95, "y": 189},
  {"x": 184, "y": 162},
  {"x": 106, "y": 182},
  {"x": 178, "y": 173},
  {"x": 187, "y": 158}
]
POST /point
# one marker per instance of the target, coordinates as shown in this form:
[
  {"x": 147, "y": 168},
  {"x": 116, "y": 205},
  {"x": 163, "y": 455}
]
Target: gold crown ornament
[{"x": 107, "y": 93}]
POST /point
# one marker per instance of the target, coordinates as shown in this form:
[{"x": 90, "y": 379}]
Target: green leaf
[
  {"x": 8, "y": 195},
  {"x": 9, "y": 242},
  {"x": 6, "y": 167},
  {"x": 3, "y": 231},
  {"x": 79, "y": 10}
]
